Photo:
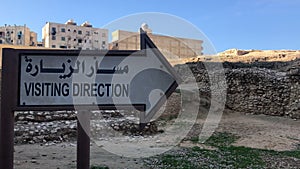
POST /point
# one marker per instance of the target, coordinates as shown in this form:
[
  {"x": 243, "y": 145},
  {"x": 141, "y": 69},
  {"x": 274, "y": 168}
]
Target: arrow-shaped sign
[
  {"x": 108, "y": 79},
  {"x": 72, "y": 79}
]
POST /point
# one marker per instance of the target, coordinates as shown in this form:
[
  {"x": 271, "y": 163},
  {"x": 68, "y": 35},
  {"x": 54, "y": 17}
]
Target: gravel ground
[{"x": 256, "y": 131}]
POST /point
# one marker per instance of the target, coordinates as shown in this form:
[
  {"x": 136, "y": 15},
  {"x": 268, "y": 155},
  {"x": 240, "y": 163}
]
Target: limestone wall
[{"x": 256, "y": 90}]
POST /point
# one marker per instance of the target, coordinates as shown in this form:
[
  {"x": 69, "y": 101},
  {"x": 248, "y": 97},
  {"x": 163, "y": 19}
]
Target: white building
[
  {"x": 72, "y": 36},
  {"x": 17, "y": 35}
]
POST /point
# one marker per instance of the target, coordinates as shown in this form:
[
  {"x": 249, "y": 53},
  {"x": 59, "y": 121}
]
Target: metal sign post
[
  {"x": 8, "y": 100},
  {"x": 51, "y": 80},
  {"x": 83, "y": 140}
]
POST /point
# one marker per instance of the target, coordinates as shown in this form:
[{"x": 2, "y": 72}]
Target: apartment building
[
  {"x": 176, "y": 46},
  {"x": 17, "y": 35},
  {"x": 73, "y": 36}
]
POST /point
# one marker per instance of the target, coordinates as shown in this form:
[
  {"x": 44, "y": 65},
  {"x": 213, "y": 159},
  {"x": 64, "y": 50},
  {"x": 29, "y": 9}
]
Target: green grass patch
[
  {"x": 226, "y": 156},
  {"x": 194, "y": 139},
  {"x": 99, "y": 167},
  {"x": 193, "y": 158},
  {"x": 241, "y": 157},
  {"x": 177, "y": 161},
  {"x": 294, "y": 153},
  {"x": 221, "y": 139}
]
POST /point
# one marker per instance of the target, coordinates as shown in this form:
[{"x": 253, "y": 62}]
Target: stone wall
[{"x": 256, "y": 90}]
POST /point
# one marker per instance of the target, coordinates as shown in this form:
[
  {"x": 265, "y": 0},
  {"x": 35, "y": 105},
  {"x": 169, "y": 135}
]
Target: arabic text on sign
[{"x": 67, "y": 71}]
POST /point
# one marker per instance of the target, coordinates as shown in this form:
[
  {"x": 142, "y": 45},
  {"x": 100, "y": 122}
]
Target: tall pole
[
  {"x": 8, "y": 97},
  {"x": 83, "y": 139}
]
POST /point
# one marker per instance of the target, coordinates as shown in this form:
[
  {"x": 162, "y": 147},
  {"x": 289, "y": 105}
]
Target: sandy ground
[
  {"x": 63, "y": 156},
  {"x": 257, "y": 131},
  {"x": 261, "y": 131},
  {"x": 231, "y": 55}
]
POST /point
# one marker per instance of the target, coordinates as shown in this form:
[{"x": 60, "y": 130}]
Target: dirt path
[
  {"x": 256, "y": 131},
  {"x": 63, "y": 156},
  {"x": 261, "y": 131}
]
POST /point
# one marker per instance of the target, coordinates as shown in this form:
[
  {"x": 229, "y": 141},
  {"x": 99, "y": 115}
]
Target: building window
[
  {"x": 63, "y": 47},
  {"x": 88, "y": 33},
  {"x": 103, "y": 34},
  {"x": 12, "y": 41},
  {"x": 79, "y": 40},
  {"x": 103, "y": 45},
  {"x": 1, "y": 41},
  {"x": 96, "y": 33},
  {"x": 63, "y": 30},
  {"x": 75, "y": 31},
  {"x": 53, "y": 46},
  {"x": 79, "y": 32},
  {"x": 53, "y": 38},
  {"x": 19, "y": 34},
  {"x": 96, "y": 41},
  {"x": 69, "y": 30},
  {"x": 63, "y": 39},
  {"x": 53, "y": 31}
]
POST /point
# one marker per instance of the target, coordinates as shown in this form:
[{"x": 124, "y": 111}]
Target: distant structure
[
  {"x": 40, "y": 44},
  {"x": 72, "y": 36},
  {"x": 17, "y": 35},
  {"x": 181, "y": 47}
]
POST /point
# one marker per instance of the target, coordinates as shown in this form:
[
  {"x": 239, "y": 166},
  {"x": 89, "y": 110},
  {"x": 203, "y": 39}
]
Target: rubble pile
[
  {"x": 44, "y": 127},
  {"x": 59, "y": 126},
  {"x": 45, "y": 132}
]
